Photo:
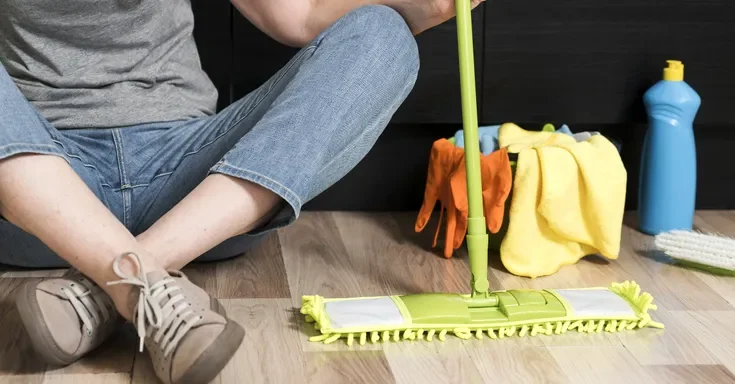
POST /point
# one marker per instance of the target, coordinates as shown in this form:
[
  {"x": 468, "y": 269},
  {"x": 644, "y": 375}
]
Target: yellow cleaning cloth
[
  {"x": 568, "y": 201},
  {"x": 516, "y": 138}
]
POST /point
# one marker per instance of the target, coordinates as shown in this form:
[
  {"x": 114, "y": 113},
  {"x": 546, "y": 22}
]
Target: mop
[{"x": 481, "y": 313}]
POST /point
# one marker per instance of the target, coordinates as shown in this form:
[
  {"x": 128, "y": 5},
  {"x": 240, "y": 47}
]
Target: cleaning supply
[
  {"x": 489, "y": 137},
  {"x": 511, "y": 134},
  {"x": 496, "y": 185},
  {"x": 496, "y": 314},
  {"x": 568, "y": 201},
  {"x": 583, "y": 136},
  {"x": 499, "y": 314},
  {"x": 707, "y": 252},
  {"x": 446, "y": 184},
  {"x": 668, "y": 177},
  {"x": 444, "y": 159}
]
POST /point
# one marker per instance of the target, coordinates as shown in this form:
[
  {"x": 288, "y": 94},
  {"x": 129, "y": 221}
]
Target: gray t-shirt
[{"x": 105, "y": 63}]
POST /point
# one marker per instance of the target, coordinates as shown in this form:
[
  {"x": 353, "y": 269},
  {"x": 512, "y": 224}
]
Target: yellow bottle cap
[{"x": 675, "y": 71}]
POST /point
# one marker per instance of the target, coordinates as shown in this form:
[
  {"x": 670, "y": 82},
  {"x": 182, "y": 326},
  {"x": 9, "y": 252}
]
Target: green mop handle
[{"x": 477, "y": 238}]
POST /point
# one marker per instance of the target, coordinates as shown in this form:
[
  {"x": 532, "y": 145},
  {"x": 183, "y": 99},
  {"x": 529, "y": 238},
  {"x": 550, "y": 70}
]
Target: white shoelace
[
  {"x": 167, "y": 317},
  {"x": 91, "y": 308}
]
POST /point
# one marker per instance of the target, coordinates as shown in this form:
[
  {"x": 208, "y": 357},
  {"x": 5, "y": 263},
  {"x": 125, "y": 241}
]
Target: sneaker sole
[
  {"x": 41, "y": 340},
  {"x": 216, "y": 357}
]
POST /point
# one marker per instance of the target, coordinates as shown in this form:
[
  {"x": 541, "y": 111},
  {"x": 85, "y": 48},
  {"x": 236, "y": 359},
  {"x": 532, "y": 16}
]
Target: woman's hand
[{"x": 425, "y": 14}]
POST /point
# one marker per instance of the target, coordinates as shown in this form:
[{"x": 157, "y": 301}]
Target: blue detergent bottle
[{"x": 668, "y": 177}]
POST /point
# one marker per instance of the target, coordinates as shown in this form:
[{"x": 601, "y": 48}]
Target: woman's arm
[{"x": 297, "y": 22}]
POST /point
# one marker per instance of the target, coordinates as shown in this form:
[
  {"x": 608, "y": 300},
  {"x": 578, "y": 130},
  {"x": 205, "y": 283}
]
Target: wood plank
[
  {"x": 270, "y": 352},
  {"x": 431, "y": 362},
  {"x": 676, "y": 344},
  {"x": 258, "y": 273},
  {"x": 315, "y": 259},
  {"x": 6, "y": 378},
  {"x": 18, "y": 361},
  {"x": 727, "y": 229},
  {"x": 601, "y": 365},
  {"x": 723, "y": 286},
  {"x": 719, "y": 222},
  {"x": 514, "y": 360},
  {"x": 97, "y": 378},
  {"x": 689, "y": 374},
  {"x": 715, "y": 331},
  {"x": 588, "y": 272},
  {"x": 343, "y": 254},
  {"x": 395, "y": 265},
  {"x": 143, "y": 372},
  {"x": 204, "y": 275},
  {"x": 8, "y": 271},
  {"x": 362, "y": 367},
  {"x": 317, "y": 263},
  {"x": 580, "y": 339}
]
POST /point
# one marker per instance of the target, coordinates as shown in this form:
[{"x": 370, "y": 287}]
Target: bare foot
[{"x": 426, "y": 14}]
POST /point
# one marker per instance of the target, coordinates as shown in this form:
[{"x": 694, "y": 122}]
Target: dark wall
[{"x": 585, "y": 64}]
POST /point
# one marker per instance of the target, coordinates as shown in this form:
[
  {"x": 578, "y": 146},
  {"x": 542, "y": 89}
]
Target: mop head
[
  {"x": 505, "y": 313},
  {"x": 710, "y": 252}
]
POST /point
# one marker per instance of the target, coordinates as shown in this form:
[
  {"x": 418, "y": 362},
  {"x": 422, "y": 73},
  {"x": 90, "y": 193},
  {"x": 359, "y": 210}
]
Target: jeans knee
[{"x": 384, "y": 39}]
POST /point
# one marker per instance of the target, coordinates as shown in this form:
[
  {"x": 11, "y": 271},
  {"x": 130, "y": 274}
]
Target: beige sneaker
[
  {"x": 187, "y": 341},
  {"x": 66, "y": 317}
]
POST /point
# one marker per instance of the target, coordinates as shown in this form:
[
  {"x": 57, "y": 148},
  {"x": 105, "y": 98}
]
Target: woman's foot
[
  {"x": 188, "y": 336},
  {"x": 66, "y": 317},
  {"x": 187, "y": 333}
]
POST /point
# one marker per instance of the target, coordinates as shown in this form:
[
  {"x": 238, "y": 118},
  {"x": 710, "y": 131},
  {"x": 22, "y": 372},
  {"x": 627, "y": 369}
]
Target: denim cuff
[{"x": 287, "y": 214}]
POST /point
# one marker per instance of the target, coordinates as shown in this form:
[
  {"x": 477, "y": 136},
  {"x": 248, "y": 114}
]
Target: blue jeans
[{"x": 296, "y": 135}]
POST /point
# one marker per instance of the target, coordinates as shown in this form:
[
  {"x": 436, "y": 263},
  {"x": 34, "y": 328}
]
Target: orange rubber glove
[
  {"x": 497, "y": 180},
  {"x": 447, "y": 183},
  {"x": 444, "y": 160}
]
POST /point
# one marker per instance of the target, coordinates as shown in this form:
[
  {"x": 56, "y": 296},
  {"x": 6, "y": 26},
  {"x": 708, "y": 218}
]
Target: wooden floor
[{"x": 358, "y": 254}]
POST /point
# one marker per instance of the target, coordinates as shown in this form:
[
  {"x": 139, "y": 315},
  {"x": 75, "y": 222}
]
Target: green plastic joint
[{"x": 477, "y": 248}]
